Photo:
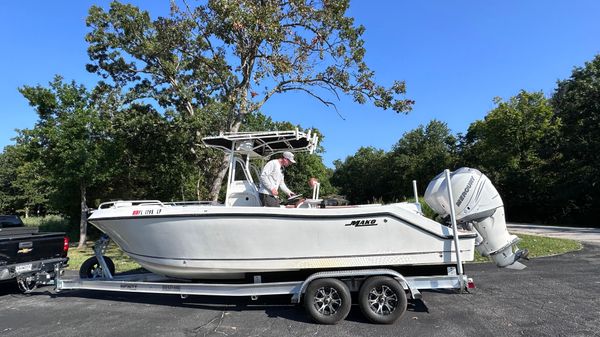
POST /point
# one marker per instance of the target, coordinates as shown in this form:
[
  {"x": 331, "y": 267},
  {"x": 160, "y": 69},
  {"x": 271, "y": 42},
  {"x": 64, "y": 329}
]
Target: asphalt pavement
[{"x": 554, "y": 296}]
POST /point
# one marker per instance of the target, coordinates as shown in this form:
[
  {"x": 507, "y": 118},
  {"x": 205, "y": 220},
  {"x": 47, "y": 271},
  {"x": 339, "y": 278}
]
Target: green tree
[
  {"x": 15, "y": 188},
  {"x": 577, "y": 105},
  {"x": 69, "y": 138},
  {"x": 223, "y": 60},
  {"x": 9, "y": 194},
  {"x": 360, "y": 176},
  {"x": 148, "y": 157},
  {"x": 33, "y": 185},
  {"x": 419, "y": 155},
  {"x": 515, "y": 146}
]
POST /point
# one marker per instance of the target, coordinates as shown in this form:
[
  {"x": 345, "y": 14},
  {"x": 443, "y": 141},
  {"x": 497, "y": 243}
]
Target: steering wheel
[
  {"x": 292, "y": 200},
  {"x": 295, "y": 197}
]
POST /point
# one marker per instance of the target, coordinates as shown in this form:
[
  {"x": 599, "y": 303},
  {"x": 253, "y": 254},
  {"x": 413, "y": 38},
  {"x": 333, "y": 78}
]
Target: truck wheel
[
  {"x": 382, "y": 300},
  {"x": 327, "y": 300},
  {"x": 91, "y": 268}
]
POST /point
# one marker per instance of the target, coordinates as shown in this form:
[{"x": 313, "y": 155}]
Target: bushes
[{"x": 53, "y": 223}]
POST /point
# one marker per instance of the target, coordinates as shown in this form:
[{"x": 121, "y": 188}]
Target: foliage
[
  {"x": 361, "y": 177},
  {"x": 539, "y": 153},
  {"x": 222, "y": 61},
  {"x": 25, "y": 186},
  {"x": 577, "y": 105},
  {"x": 9, "y": 195},
  {"x": 309, "y": 166},
  {"x": 419, "y": 155},
  {"x": 68, "y": 141},
  {"x": 427, "y": 211},
  {"x": 149, "y": 157},
  {"x": 168, "y": 82},
  {"x": 53, "y": 223},
  {"x": 515, "y": 146}
]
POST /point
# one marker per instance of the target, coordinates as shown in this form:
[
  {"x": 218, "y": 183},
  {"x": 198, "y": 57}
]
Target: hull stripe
[{"x": 288, "y": 216}]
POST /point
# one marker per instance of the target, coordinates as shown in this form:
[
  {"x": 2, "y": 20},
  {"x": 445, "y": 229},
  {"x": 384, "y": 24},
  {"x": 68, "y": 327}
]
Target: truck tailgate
[{"x": 33, "y": 247}]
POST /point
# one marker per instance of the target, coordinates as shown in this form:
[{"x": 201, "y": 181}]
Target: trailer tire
[
  {"x": 327, "y": 300},
  {"x": 382, "y": 299},
  {"x": 91, "y": 268}
]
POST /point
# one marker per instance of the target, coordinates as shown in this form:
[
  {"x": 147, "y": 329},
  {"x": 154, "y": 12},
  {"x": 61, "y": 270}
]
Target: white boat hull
[{"x": 224, "y": 242}]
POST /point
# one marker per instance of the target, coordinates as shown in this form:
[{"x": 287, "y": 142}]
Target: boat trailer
[{"x": 327, "y": 296}]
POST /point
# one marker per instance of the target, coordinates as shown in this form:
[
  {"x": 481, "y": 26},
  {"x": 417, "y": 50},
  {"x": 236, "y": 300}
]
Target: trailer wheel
[
  {"x": 382, "y": 300},
  {"x": 327, "y": 300},
  {"x": 91, "y": 268}
]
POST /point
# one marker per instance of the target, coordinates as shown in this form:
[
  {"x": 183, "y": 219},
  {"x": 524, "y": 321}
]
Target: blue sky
[{"x": 455, "y": 57}]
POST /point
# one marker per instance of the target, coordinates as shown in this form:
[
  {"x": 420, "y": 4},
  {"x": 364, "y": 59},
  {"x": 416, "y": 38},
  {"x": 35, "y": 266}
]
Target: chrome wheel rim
[
  {"x": 327, "y": 301},
  {"x": 382, "y": 300},
  {"x": 96, "y": 271}
]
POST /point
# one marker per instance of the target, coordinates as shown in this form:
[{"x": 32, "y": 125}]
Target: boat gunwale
[{"x": 467, "y": 235}]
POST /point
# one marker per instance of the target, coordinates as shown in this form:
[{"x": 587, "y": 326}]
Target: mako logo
[{"x": 362, "y": 223}]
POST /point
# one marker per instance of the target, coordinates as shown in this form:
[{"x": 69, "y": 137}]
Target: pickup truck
[{"x": 29, "y": 256}]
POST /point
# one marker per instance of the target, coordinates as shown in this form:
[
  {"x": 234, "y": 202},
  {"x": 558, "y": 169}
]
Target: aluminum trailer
[{"x": 326, "y": 295}]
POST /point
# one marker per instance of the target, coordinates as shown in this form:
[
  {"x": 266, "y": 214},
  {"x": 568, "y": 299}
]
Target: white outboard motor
[{"x": 477, "y": 203}]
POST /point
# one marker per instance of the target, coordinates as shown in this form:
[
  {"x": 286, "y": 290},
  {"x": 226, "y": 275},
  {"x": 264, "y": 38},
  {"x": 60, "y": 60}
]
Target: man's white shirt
[{"x": 271, "y": 177}]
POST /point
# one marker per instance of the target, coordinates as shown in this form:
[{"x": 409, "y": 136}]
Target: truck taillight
[{"x": 65, "y": 245}]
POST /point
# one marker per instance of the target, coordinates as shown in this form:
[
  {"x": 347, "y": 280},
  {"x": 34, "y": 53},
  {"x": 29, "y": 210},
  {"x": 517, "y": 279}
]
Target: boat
[{"x": 238, "y": 238}]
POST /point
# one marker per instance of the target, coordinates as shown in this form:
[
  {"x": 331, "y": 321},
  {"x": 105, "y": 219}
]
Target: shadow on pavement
[{"x": 273, "y": 306}]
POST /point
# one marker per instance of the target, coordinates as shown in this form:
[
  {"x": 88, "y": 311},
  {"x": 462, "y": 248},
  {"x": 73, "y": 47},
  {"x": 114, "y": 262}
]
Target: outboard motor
[{"x": 477, "y": 204}]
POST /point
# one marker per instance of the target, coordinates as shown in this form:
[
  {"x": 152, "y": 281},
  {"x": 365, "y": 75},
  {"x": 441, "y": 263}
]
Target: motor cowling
[{"x": 477, "y": 204}]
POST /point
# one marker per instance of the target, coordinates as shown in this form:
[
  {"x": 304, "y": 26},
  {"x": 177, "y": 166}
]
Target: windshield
[{"x": 7, "y": 221}]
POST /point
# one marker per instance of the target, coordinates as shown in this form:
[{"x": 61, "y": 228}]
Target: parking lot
[{"x": 554, "y": 296}]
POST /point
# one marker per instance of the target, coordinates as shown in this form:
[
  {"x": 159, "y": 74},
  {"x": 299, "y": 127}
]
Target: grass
[
  {"x": 122, "y": 262},
  {"x": 48, "y": 223},
  {"x": 56, "y": 223},
  {"x": 541, "y": 246},
  {"x": 53, "y": 223},
  {"x": 537, "y": 245}
]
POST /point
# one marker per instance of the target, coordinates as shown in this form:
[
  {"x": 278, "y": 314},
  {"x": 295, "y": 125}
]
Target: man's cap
[{"x": 289, "y": 156}]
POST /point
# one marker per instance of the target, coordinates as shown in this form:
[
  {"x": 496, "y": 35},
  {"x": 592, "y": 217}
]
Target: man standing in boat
[{"x": 271, "y": 180}]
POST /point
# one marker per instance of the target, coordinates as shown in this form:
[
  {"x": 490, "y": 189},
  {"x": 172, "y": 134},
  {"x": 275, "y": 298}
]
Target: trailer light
[
  {"x": 470, "y": 284},
  {"x": 65, "y": 245}
]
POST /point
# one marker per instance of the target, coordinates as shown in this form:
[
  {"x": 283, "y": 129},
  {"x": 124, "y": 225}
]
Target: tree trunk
[
  {"x": 198, "y": 185},
  {"x": 83, "y": 219},
  {"x": 218, "y": 181},
  {"x": 242, "y": 93},
  {"x": 222, "y": 171}
]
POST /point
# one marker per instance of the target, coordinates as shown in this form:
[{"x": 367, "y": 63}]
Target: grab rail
[{"x": 128, "y": 203}]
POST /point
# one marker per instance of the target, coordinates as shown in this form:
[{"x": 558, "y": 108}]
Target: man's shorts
[{"x": 268, "y": 200}]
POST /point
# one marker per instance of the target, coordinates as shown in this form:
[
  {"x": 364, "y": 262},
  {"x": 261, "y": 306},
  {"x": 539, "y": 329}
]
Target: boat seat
[{"x": 243, "y": 193}]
